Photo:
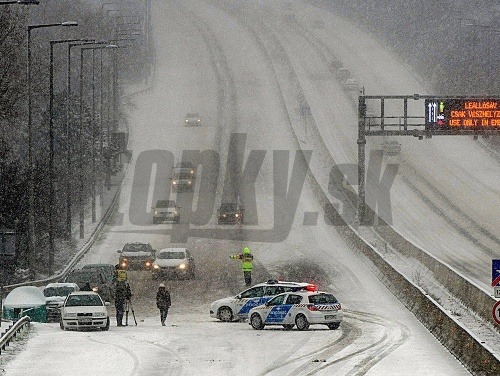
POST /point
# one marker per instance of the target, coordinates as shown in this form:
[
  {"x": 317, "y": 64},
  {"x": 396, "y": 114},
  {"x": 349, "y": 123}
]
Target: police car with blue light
[
  {"x": 237, "y": 307},
  {"x": 298, "y": 308}
]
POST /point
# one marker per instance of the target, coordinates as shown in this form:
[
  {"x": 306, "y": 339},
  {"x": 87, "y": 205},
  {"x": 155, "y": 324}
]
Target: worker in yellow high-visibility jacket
[{"x": 246, "y": 264}]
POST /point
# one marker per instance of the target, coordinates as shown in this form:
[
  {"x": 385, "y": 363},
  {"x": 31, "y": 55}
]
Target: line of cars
[
  {"x": 172, "y": 262},
  {"x": 288, "y": 304},
  {"x": 71, "y": 306}
]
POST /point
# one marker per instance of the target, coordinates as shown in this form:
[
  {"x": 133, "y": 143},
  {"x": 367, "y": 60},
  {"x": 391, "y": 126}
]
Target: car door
[
  {"x": 276, "y": 311},
  {"x": 248, "y": 299}
]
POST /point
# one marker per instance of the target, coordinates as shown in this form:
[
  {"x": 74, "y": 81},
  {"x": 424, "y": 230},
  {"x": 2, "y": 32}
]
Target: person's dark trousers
[
  {"x": 248, "y": 278},
  {"x": 163, "y": 315},
  {"x": 120, "y": 310}
]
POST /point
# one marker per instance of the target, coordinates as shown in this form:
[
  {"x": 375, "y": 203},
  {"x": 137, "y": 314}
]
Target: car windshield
[
  {"x": 165, "y": 204},
  {"x": 322, "y": 299},
  {"x": 58, "y": 291},
  {"x": 83, "y": 300},
  {"x": 136, "y": 248},
  {"x": 183, "y": 175},
  {"x": 171, "y": 255},
  {"x": 228, "y": 207}
]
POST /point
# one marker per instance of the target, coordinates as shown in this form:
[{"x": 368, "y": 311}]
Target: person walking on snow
[
  {"x": 246, "y": 264},
  {"x": 163, "y": 302}
]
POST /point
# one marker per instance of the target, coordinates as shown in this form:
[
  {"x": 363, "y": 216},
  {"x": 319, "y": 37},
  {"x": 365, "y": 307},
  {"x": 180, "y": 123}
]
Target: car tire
[
  {"x": 225, "y": 314},
  {"x": 61, "y": 325},
  {"x": 288, "y": 326},
  {"x": 301, "y": 322},
  {"x": 333, "y": 326},
  {"x": 106, "y": 328},
  {"x": 256, "y": 321},
  {"x": 155, "y": 221}
]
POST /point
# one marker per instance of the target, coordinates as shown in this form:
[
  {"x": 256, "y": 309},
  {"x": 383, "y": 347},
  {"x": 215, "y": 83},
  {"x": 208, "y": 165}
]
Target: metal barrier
[{"x": 16, "y": 327}]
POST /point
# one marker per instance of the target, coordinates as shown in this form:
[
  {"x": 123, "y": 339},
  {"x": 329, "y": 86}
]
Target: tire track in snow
[{"x": 276, "y": 56}]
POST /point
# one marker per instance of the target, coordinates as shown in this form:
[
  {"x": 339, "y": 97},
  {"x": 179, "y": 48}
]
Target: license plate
[
  {"x": 85, "y": 321},
  {"x": 329, "y": 317}
]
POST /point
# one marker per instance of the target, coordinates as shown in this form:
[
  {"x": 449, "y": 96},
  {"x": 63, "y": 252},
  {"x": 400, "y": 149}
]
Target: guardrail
[
  {"x": 78, "y": 256},
  {"x": 476, "y": 356},
  {"x": 15, "y": 328}
]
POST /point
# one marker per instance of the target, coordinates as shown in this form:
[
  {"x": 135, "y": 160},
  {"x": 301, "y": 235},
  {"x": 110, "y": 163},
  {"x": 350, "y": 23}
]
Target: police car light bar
[{"x": 311, "y": 287}]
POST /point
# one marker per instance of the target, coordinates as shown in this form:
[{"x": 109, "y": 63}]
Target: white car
[
  {"x": 55, "y": 295},
  {"x": 237, "y": 307},
  {"x": 173, "y": 262},
  {"x": 84, "y": 310},
  {"x": 300, "y": 308},
  {"x": 192, "y": 119},
  {"x": 166, "y": 211}
]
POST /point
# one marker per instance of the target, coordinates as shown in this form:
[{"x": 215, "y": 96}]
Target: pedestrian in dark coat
[
  {"x": 163, "y": 302},
  {"x": 122, "y": 294}
]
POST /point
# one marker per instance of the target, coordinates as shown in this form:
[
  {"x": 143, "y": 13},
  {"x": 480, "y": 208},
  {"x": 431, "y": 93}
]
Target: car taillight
[{"x": 312, "y": 307}]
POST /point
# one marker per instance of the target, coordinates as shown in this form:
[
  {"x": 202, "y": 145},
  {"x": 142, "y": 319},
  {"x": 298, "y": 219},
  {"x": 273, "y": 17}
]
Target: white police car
[
  {"x": 237, "y": 307},
  {"x": 301, "y": 308}
]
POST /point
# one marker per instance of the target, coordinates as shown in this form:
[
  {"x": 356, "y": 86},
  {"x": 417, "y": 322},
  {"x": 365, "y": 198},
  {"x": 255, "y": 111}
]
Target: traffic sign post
[{"x": 496, "y": 312}]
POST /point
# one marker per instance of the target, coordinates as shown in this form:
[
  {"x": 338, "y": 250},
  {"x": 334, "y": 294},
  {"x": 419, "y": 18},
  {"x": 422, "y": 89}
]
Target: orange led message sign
[{"x": 462, "y": 113}]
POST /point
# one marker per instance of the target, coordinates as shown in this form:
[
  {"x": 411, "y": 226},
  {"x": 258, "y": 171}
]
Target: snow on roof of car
[{"x": 24, "y": 297}]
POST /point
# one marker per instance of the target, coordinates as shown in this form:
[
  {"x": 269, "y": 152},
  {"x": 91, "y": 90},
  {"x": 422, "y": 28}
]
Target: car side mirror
[
  {"x": 119, "y": 251},
  {"x": 238, "y": 296}
]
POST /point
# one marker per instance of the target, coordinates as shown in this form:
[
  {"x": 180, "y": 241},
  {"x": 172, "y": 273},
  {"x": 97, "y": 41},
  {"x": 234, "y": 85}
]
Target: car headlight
[
  {"x": 187, "y": 120},
  {"x": 124, "y": 264},
  {"x": 189, "y": 182},
  {"x": 174, "y": 182},
  {"x": 156, "y": 266},
  {"x": 156, "y": 212},
  {"x": 176, "y": 212},
  {"x": 182, "y": 266},
  {"x": 237, "y": 215},
  {"x": 192, "y": 172},
  {"x": 99, "y": 314},
  {"x": 95, "y": 289},
  {"x": 148, "y": 263}
]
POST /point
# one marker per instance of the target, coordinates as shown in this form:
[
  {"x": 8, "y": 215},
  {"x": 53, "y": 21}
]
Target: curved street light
[{"x": 31, "y": 194}]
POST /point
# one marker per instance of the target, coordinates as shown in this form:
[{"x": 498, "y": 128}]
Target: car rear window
[{"x": 322, "y": 299}]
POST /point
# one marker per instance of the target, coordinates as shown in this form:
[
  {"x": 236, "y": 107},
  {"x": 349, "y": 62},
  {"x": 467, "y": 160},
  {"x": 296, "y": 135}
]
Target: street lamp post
[
  {"x": 80, "y": 136},
  {"x": 69, "y": 202},
  {"x": 31, "y": 194},
  {"x": 51, "y": 148}
]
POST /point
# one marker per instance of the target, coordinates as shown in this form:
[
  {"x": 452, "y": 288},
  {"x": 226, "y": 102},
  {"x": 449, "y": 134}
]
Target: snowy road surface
[{"x": 210, "y": 61}]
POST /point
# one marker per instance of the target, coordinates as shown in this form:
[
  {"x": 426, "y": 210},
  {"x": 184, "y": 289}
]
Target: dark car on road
[
  {"x": 230, "y": 213},
  {"x": 136, "y": 256},
  {"x": 184, "y": 175},
  {"x": 95, "y": 278}
]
